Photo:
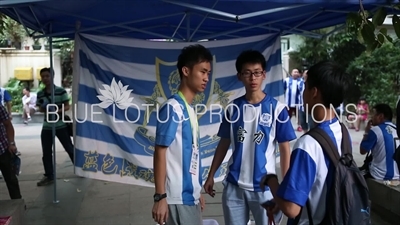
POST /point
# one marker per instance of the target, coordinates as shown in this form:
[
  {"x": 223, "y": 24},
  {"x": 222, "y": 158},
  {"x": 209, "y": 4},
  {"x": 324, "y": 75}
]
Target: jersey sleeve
[
  {"x": 167, "y": 125},
  {"x": 300, "y": 177},
  {"x": 7, "y": 96},
  {"x": 370, "y": 142},
  {"x": 225, "y": 127},
  {"x": 284, "y": 128}
]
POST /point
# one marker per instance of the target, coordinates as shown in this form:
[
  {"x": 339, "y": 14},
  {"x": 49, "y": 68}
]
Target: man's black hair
[
  {"x": 385, "y": 110},
  {"x": 192, "y": 55},
  {"x": 331, "y": 81},
  {"x": 252, "y": 57},
  {"x": 27, "y": 88},
  {"x": 45, "y": 70}
]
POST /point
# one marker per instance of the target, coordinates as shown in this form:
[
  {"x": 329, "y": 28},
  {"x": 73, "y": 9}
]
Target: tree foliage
[{"x": 377, "y": 74}]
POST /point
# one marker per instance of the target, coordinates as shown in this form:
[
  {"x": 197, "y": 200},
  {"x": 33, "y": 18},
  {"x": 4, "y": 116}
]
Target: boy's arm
[
  {"x": 368, "y": 142},
  {"x": 223, "y": 145},
  {"x": 165, "y": 135},
  {"x": 284, "y": 134},
  {"x": 160, "y": 168},
  {"x": 292, "y": 194}
]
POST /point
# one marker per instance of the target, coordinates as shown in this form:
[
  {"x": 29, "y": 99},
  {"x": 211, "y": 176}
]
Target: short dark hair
[
  {"x": 331, "y": 81},
  {"x": 250, "y": 56},
  {"x": 385, "y": 110},
  {"x": 46, "y": 69},
  {"x": 27, "y": 88},
  {"x": 192, "y": 55}
]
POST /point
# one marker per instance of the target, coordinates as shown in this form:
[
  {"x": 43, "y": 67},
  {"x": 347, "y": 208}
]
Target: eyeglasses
[{"x": 255, "y": 73}]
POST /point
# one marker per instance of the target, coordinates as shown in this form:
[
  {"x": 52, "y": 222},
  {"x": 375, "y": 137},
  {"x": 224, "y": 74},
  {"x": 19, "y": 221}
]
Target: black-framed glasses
[{"x": 255, "y": 73}]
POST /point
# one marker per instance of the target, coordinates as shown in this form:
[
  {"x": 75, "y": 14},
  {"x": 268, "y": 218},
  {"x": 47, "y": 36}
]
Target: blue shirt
[{"x": 254, "y": 130}]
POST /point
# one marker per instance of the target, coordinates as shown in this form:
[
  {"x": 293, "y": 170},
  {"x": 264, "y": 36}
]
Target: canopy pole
[
  {"x": 187, "y": 27},
  {"x": 53, "y": 126}
]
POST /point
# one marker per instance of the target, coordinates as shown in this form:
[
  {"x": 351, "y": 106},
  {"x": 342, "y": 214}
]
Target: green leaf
[
  {"x": 379, "y": 17},
  {"x": 397, "y": 6},
  {"x": 383, "y": 31},
  {"x": 381, "y": 38},
  {"x": 354, "y": 18},
  {"x": 390, "y": 39},
  {"x": 396, "y": 25},
  {"x": 368, "y": 34}
]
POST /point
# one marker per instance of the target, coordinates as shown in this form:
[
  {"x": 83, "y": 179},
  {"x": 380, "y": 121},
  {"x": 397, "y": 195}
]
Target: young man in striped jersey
[
  {"x": 381, "y": 139},
  {"x": 253, "y": 127},
  {"x": 311, "y": 171},
  {"x": 177, "y": 163}
]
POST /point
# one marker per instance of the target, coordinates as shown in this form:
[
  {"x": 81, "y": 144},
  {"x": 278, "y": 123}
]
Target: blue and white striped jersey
[
  {"x": 382, "y": 140},
  {"x": 174, "y": 130},
  {"x": 302, "y": 87},
  {"x": 254, "y": 130},
  {"x": 292, "y": 91},
  {"x": 311, "y": 173}
]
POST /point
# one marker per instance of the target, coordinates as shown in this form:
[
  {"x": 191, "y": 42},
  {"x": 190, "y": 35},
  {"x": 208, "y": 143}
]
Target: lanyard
[{"x": 193, "y": 121}]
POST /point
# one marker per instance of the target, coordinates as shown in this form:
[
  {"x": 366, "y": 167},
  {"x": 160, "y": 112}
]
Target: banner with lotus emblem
[{"x": 119, "y": 85}]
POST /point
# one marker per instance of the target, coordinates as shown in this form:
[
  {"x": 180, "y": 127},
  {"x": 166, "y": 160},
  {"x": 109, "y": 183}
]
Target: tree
[{"x": 377, "y": 74}]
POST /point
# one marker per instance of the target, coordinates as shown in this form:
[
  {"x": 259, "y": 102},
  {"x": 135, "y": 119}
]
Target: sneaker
[
  {"x": 29, "y": 119},
  {"x": 45, "y": 181},
  {"x": 25, "y": 122}
]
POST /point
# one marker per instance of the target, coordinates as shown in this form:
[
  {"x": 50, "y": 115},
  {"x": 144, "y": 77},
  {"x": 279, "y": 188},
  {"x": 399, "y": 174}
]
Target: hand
[
  {"x": 202, "y": 202},
  {"x": 368, "y": 127},
  {"x": 12, "y": 149},
  {"x": 271, "y": 207},
  {"x": 209, "y": 185},
  {"x": 160, "y": 211}
]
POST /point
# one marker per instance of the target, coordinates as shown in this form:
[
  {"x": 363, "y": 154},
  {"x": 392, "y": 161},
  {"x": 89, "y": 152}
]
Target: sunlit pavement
[{"x": 86, "y": 201}]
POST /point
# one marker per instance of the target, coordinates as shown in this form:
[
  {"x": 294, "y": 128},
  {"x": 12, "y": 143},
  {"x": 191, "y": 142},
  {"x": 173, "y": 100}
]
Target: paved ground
[{"x": 85, "y": 201}]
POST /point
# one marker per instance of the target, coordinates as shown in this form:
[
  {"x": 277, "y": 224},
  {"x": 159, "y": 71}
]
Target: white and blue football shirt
[
  {"x": 254, "y": 130},
  {"x": 382, "y": 141},
  {"x": 292, "y": 91},
  {"x": 302, "y": 87},
  {"x": 174, "y": 131},
  {"x": 311, "y": 173}
]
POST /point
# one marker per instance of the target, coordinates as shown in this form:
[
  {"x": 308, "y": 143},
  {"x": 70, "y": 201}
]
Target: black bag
[{"x": 348, "y": 199}]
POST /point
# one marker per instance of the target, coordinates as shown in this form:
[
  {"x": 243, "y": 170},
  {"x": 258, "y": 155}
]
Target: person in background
[
  {"x": 306, "y": 120},
  {"x": 7, "y": 151},
  {"x": 292, "y": 86},
  {"x": 381, "y": 139},
  {"x": 362, "y": 112},
  {"x": 29, "y": 104},
  {"x": 6, "y": 100},
  {"x": 61, "y": 99}
]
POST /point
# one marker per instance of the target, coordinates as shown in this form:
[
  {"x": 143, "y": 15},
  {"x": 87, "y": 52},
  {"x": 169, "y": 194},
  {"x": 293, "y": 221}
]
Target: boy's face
[
  {"x": 197, "y": 77},
  {"x": 377, "y": 118},
  {"x": 252, "y": 76}
]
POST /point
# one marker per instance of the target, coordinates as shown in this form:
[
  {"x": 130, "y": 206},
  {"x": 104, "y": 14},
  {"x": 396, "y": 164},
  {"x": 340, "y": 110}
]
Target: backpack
[{"x": 348, "y": 199}]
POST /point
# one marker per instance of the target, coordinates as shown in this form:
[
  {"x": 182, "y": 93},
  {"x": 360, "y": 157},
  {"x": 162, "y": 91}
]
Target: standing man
[
  {"x": 61, "y": 99},
  {"x": 306, "y": 119},
  {"x": 7, "y": 151},
  {"x": 292, "y": 86},
  {"x": 177, "y": 163},
  {"x": 252, "y": 127}
]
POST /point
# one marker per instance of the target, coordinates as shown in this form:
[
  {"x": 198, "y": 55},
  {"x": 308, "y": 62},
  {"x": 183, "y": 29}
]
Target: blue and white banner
[{"x": 120, "y": 83}]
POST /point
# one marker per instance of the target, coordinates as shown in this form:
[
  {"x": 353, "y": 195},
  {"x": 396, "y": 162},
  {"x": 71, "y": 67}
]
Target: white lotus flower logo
[{"x": 117, "y": 94}]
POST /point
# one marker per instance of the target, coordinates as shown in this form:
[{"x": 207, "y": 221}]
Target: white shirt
[{"x": 31, "y": 100}]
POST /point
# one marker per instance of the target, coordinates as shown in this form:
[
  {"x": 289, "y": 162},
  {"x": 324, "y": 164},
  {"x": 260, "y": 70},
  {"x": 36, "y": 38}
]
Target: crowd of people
[{"x": 311, "y": 172}]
